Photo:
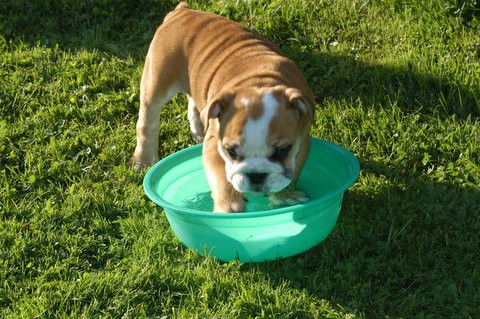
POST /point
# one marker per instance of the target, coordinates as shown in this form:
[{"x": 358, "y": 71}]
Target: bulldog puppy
[{"x": 250, "y": 105}]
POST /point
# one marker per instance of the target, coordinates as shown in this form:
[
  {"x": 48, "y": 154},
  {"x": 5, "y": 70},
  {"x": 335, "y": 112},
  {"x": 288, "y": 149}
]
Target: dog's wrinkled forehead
[
  {"x": 257, "y": 126},
  {"x": 259, "y": 120}
]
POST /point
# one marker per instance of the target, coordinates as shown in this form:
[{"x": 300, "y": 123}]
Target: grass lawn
[{"x": 398, "y": 83}]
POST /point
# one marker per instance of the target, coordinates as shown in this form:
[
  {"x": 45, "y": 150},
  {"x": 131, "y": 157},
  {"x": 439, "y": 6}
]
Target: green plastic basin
[{"x": 178, "y": 184}]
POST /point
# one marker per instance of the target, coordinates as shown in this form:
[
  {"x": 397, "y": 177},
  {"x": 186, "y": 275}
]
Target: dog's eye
[
  {"x": 233, "y": 152},
  {"x": 280, "y": 153}
]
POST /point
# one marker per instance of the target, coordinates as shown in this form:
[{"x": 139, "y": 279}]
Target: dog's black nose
[{"x": 256, "y": 178}]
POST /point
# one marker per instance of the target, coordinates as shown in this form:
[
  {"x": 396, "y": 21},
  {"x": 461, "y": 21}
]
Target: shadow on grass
[
  {"x": 125, "y": 29},
  {"x": 122, "y": 28},
  {"x": 403, "y": 250},
  {"x": 341, "y": 77}
]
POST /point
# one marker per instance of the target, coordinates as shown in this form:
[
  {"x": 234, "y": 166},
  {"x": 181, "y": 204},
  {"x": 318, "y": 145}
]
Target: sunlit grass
[{"x": 397, "y": 83}]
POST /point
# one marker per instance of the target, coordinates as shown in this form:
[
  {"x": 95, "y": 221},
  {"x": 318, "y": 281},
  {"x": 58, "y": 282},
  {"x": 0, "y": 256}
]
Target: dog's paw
[
  {"x": 236, "y": 207},
  {"x": 141, "y": 166},
  {"x": 228, "y": 204},
  {"x": 197, "y": 138},
  {"x": 288, "y": 198}
]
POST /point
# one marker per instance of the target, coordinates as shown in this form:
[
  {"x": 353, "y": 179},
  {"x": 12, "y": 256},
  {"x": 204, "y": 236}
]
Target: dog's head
[{"x": 260, "y": 133}]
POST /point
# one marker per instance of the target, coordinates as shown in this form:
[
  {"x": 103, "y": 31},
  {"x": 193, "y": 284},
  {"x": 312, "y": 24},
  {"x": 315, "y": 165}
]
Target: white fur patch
[
  {"x": 294, "y": 152},
  {"x": 196, "y": 126},
  {"x": 255, "y": 131},
  {"x": 303, "y": 108},
  {"x": 275, "y": 181},
  {"x": 216, "y": 110},
  {"x": 245, "y": 102}
]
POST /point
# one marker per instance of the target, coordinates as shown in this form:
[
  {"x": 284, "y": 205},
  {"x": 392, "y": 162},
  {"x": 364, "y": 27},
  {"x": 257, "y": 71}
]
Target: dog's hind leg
[{"x": 157, "y": 88}]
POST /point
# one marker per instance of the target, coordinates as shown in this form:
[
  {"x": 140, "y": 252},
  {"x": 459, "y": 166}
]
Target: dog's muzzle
[{"x": 257, "y": 175}]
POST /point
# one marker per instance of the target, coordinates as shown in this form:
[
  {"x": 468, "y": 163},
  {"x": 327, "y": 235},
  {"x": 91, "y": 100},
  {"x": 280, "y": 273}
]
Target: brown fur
[{"x": 217, "y": 62}]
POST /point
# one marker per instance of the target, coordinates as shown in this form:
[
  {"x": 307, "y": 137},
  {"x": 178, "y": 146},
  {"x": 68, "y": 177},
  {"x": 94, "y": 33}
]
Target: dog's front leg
[{"x": 226, "y": 199}]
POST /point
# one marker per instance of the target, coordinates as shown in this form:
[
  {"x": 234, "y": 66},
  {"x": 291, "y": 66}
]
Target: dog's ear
[
  {"x": 301, "y": 103},
  {"x": 216, "y": 107}
]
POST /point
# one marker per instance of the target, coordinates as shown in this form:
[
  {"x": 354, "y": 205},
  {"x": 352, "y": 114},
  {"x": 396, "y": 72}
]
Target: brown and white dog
[{"x": 250, "y": 105}]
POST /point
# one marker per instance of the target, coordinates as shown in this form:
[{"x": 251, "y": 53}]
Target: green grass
[{"x": 397, "y": 83}]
